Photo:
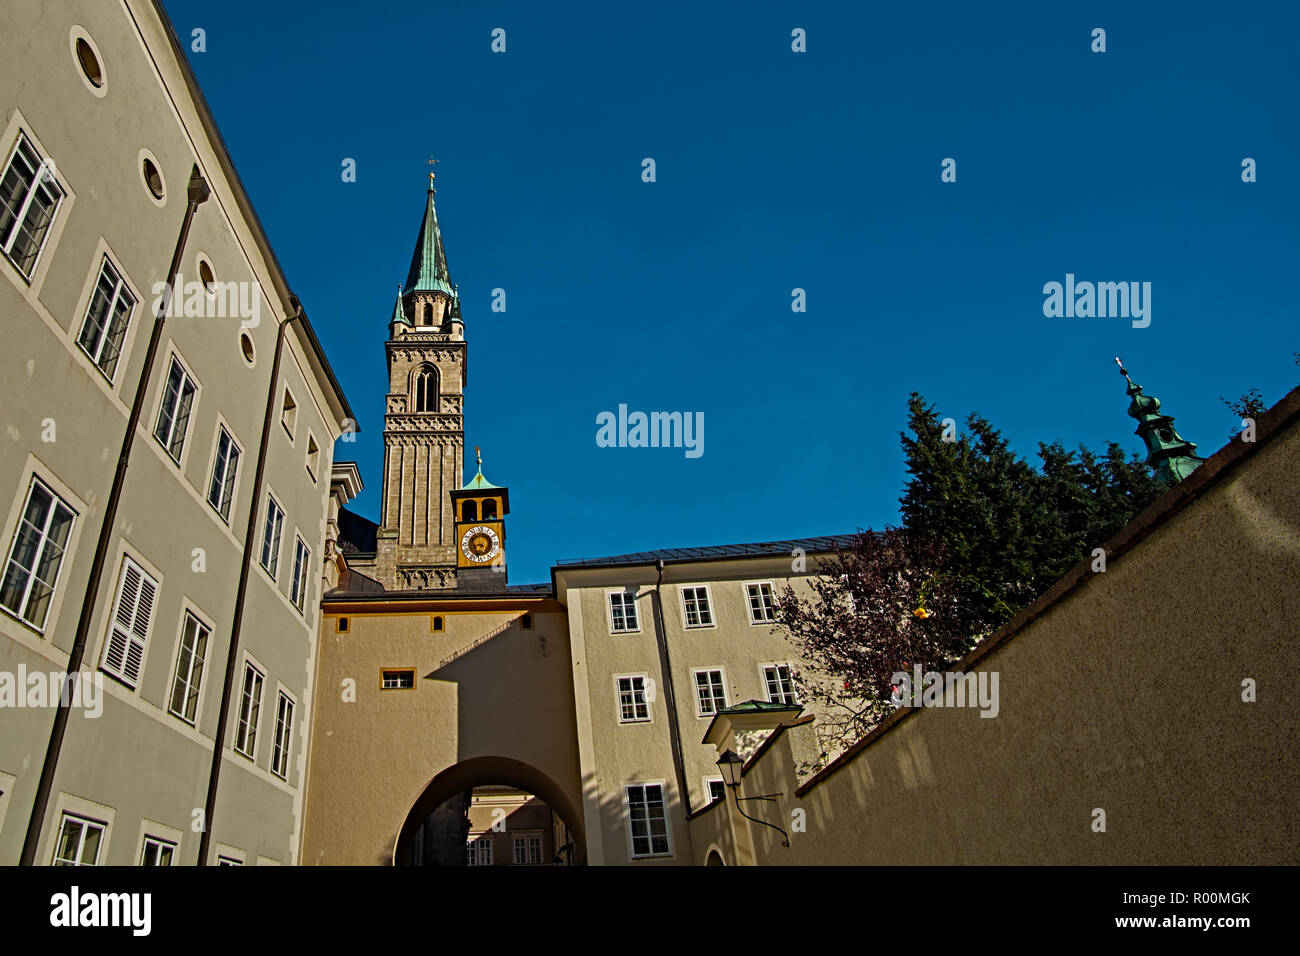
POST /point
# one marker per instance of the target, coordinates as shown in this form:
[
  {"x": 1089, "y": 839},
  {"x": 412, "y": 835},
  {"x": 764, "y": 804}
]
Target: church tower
[
  {"x": 424, "y": 426},
  {"x": 1171, "y": 456}
]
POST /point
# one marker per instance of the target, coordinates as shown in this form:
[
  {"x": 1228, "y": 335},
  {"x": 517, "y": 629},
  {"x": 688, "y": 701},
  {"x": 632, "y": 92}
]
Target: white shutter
[{"x": 136, "y": 593}]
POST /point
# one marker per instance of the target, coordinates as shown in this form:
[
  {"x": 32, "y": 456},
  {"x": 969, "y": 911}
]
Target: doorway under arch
[{"x": 486, "y": 771}]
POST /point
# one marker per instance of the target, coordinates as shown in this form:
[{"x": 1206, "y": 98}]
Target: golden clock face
[{"x": 480, "y": 544}]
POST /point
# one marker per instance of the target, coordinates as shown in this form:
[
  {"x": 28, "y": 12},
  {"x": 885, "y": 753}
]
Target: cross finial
[
  {"x": 431, "y": 162},
  {"x": 478, "y": 455}
]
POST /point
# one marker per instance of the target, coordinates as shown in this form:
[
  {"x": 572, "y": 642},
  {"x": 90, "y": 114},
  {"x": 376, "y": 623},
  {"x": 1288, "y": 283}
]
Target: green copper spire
[
  {"x": 1169, "y": 454},
  {"x": 478, "y": 481},
  {"x": 429, "y": 262},
  {"x": 399, "y": 313}
]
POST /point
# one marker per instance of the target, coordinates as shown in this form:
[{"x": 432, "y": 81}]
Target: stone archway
[{"x": 482, "y": 771}]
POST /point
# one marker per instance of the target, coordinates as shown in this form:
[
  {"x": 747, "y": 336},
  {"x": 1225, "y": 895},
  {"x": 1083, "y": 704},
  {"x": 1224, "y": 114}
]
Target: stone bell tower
[{"x": 424, "y": 425}]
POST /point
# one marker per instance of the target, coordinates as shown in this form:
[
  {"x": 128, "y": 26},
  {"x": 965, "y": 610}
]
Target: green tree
[{"x": 984, "y": 533}]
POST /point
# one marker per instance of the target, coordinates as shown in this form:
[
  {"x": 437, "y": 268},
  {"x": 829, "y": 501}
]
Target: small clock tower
[{"x": 480, "y": 508}]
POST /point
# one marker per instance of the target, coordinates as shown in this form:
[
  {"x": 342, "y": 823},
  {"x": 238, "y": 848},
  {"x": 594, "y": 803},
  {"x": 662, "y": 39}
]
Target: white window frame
[
  {"x": 767, "y": 690},
  {"x": 749, "y": 601},
  {"x": 246, "y": 729},
  {"x": 695, "y": 686},
  {"x": 87, "y": 824},
  {"x": 524, "y": 839},
  {"x": 478, "y": 846},
  {"x": 193, "y": 688},
  {"x": 644, "y": 701},
  {"x": 229, "y": 474},
  {"x": 125, "y": 637},
  {"x": 301, "y": 573},
  {"x": 158, "y": 845},
  {"x": 313, "y": 468},
  {"x": 282, "y": 742},
  {"x": 174, "y": 360},
  {"x": 273, "y": 569},
  {"x": 43, "y": 176},
  {"x": 289, "y": 412},
  {"x": 627, "y": 818},
  {"x": 708, "y": 788},
  {"x": 384, "y": 673},
  {"x": 121, "y": 290},
  {"x": 56, "y": 501},
  {"x": 625, "y": 596},
  {"x": 708, "y": 607}
]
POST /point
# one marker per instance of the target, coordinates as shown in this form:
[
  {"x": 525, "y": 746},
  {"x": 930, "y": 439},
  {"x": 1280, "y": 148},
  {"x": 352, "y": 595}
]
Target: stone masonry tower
[{"x": 424, "y": 426}]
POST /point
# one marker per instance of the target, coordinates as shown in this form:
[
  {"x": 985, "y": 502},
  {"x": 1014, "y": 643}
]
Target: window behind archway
[{"x": 426, "y": 390}]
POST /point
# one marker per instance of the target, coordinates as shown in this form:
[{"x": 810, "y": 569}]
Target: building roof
[
  {"x": 758, "y": 549},
  {"x": 429, "y": 261},
  {"x": 354, "y": 585}
]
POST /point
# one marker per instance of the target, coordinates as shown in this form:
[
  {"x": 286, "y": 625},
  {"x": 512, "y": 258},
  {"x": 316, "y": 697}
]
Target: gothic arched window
[
  {"x": 426, "y": 390},
  {"x": 428, "y": 314}
]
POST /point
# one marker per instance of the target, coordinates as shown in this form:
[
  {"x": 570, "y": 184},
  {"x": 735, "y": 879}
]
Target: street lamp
[{"x": 732, "y": 767}]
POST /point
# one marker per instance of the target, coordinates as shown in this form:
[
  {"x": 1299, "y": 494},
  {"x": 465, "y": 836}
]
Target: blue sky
[{"x": 775, "y": 170}]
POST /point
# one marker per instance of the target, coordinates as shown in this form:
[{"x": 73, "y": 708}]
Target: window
[
  {"x": 489, "y": 509},
  {"x": 778, "y": 683},
  {"x": 342, "y": 625},
  {"x": 283, "y": 731},
  {"x": 632, "y": 704},
  {"x": 224, "y": 468},
  {"x": 478, "y": 851},
  {"x": 271, "y": 536},
  {"x": 29, "y": 199},
  {"x": 762, "y": 605},
  {"x": 717, "y": 788},
  {"x": 129, "y": 628},
  {"x": 289, "y": 413},
  {"x": 646, "y": 820},
  {"x": 301, "y": 572},
  {"x": 426, "y": 389},
  {"x": 710, "y": 694},
  {"x": 89, "y": 63},
  {"x": 189, "y": 668},
  {"x": 250, "y": 704},
  {"x": 174, "y": 414},
  {"x": 528, "y": 849},
  {"x": 526, "y": 622},
  {"x": 695, "y": 602},
  {"x": 229, "y": 861},
  {"x": 622, "y": 612},
  {"x": 79, "y": 842},
  {"x": 152, "y": 178},
  {"x": 106, "y": 321},
  {"x": 157, "y": 852},
  {"x": 437, "y": 622},
  {"x": 36, "y": 555},
  {"x": 392, "y": 679},
  {"x": 469, "y": 511},
  {"x": 313, "y": 455}
]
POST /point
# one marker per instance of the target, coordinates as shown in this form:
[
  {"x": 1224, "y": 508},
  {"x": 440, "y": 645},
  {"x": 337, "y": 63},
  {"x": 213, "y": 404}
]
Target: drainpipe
[
  {"x": 196, "y": 193},
  {"x": 670, "y": 699},
  {"x": 250, "y": 542}
]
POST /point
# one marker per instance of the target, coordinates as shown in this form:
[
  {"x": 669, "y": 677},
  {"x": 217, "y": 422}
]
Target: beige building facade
[{"x": 113, "y": 176}]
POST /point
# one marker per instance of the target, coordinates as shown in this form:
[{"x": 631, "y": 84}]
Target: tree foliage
[{"x": 984, "y": 533}]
